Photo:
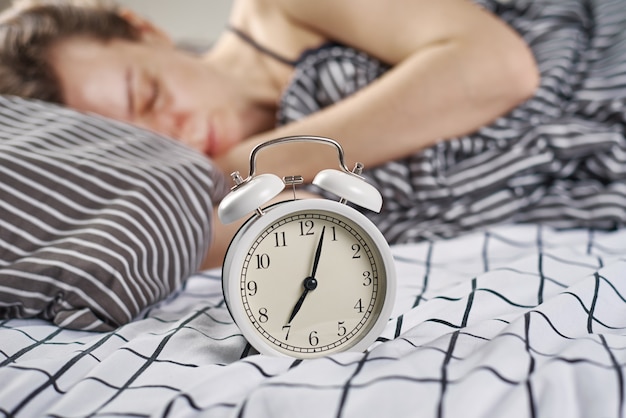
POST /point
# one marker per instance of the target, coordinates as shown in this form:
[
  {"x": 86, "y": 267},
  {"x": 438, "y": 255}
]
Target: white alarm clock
[{"x": 307, "y": 278}]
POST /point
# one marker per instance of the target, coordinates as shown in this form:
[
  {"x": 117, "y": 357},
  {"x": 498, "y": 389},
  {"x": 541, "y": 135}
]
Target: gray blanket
[{"x": 558, "y": 159}]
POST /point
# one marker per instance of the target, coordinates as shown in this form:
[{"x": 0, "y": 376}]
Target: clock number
[
  {"x": 288, "y": 327},
  {"x": 281, "y": 240},
  {"x": 359, "y": 306},
  {"x": 367, "y": 278},
  {"x": 263, "y": 318},
  {"x": 252, "y": 288},
  {"x": 313, "y": 339},
  {"x": 262, "y": 261},
  {"x": 357, "y": 250},
  {"x": 306, "y": 228},
  {"x": 334, "y": 233},
  {"x": 341, "y": 330}
]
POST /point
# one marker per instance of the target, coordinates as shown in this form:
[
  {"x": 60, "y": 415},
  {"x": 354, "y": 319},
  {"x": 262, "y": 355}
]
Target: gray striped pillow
[{"x": 98, "y": 219}]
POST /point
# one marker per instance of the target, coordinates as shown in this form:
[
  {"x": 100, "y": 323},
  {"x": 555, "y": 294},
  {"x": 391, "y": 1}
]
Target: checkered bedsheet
[{"x": 516, "y": 321}]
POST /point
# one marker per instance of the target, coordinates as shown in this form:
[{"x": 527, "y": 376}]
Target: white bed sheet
[{"x": 516, "y": 321}]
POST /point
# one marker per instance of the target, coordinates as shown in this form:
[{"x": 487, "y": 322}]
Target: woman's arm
[{"x": 456, "y": 68}]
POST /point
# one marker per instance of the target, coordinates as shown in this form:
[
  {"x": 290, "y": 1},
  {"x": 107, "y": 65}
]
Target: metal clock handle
[
  {"x": 297, "y": 138},
  {"x": 348, "y": 185}
]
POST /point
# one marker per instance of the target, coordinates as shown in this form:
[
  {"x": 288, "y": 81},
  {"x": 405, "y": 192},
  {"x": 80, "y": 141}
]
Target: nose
[{"x": 185, "y": 127}]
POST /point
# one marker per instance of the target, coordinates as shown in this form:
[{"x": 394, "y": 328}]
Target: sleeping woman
[
  {"x": 455, "y": 66},
  {"x": 403, "y": 85}
]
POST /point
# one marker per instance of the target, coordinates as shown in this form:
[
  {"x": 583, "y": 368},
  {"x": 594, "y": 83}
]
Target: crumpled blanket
[{"x": 558, "y": 159}]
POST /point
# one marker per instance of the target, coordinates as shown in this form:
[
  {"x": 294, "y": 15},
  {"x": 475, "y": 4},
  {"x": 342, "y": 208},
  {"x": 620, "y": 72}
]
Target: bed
[
  {"x": 511, "y": 293},
  {"x": 511, "y": 321}
]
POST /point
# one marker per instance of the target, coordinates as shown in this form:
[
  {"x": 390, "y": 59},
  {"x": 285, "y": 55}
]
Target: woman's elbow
[
  {"x": 522, "y": 76},
  {"x": 506, "y": 75}
]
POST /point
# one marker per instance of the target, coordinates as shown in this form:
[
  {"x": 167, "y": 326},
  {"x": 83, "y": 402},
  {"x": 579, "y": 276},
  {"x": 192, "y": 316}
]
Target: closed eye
[
  {"x": 153, "y": 95},
  {"x": 130, "y": 94}
]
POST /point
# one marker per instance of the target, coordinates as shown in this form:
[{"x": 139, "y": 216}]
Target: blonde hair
[{"x": 28, "y": 30}]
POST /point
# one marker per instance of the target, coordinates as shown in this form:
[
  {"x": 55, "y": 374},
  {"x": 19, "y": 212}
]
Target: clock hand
[
  {"x": 310, "y": 283},
  {"x": 318, "y": 252}
]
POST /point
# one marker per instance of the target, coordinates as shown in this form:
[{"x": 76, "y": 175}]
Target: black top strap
[{"x": 246, "y": 38}]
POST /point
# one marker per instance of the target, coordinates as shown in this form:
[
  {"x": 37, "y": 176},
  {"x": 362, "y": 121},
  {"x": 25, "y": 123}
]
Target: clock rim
[{"x": 250, "y": 230}]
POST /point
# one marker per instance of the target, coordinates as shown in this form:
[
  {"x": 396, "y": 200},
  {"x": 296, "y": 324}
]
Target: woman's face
[{"x": 157, "y": 87}]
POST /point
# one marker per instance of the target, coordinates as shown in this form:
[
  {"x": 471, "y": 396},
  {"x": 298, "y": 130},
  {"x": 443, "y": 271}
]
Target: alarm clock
[{"x": 309, "y": 277}]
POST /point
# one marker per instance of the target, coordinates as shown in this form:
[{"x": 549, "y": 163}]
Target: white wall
[
  {"x": 195, "y": 21},
  {"x": 189, "y": 21}
]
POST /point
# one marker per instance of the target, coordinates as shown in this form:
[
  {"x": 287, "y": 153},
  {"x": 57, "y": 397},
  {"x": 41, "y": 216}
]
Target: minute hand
[{"x": 318, "y": 253}]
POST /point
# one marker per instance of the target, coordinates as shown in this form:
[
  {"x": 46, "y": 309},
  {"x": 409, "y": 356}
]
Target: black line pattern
[{"x": 479, "y": 343}]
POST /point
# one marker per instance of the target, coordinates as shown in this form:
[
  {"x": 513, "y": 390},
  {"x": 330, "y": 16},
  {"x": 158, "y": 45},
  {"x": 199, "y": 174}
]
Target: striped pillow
[{"x": 98, "y": 219}]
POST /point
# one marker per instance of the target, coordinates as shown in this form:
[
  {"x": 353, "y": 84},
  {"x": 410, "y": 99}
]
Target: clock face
[{"x": 311, "y": 282}]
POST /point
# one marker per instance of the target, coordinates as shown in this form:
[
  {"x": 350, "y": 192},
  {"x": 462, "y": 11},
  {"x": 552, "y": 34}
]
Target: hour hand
[{"x": 309, "y": 284}]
